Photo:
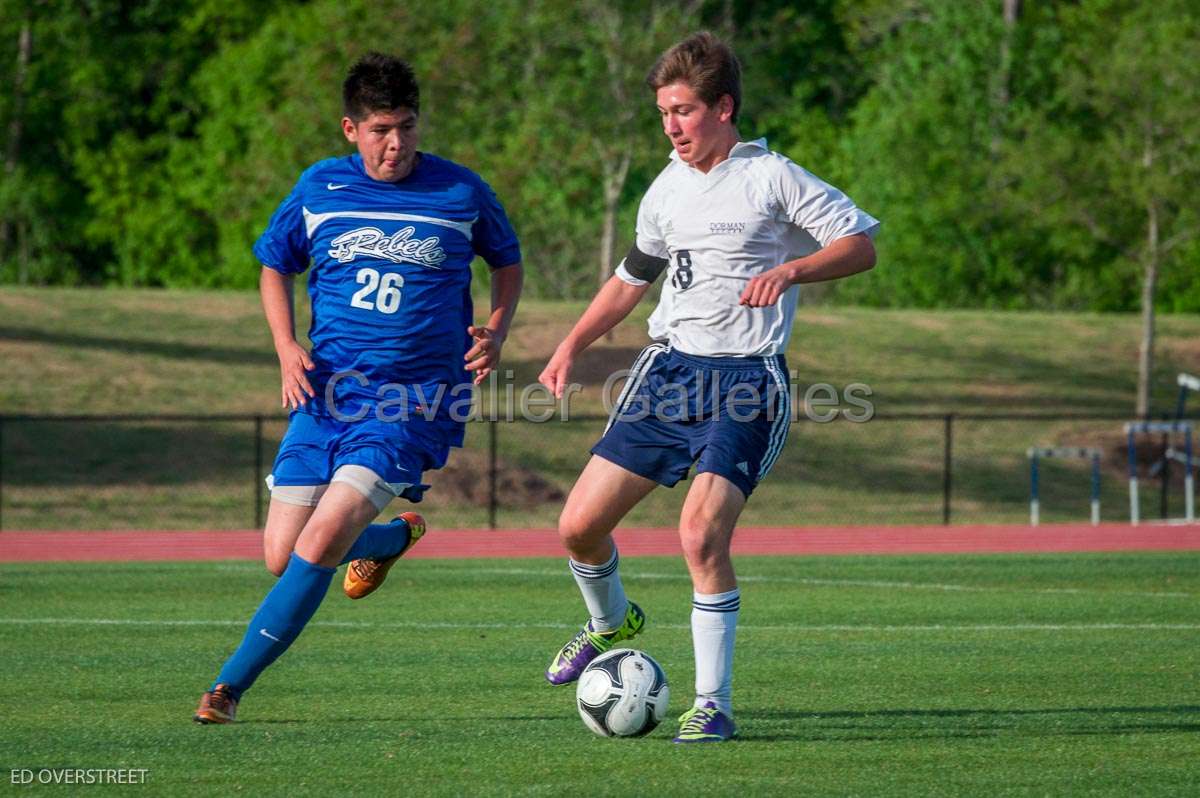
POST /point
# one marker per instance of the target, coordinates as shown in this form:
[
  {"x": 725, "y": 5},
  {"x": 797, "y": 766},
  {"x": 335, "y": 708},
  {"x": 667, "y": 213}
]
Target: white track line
[{"x": 983, "y": 627}]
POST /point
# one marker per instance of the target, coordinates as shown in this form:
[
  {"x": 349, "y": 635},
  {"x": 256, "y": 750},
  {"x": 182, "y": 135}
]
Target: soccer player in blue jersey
[
  {"x": 736, "y": 228},
  {"x": 390, "y": 233}
]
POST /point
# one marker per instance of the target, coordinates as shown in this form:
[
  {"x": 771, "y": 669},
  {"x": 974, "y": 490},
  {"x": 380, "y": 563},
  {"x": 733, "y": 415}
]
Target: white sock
[
  {"x": 714, "y": 627},
  {"x": 602, "y": 592}
]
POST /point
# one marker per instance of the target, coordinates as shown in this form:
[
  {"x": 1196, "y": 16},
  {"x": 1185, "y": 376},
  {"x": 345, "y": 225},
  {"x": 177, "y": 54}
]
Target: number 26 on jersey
[{"x": 378, "y": 292}]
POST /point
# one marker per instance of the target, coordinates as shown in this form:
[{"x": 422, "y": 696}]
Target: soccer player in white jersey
[{"x": 737, "y": 228}]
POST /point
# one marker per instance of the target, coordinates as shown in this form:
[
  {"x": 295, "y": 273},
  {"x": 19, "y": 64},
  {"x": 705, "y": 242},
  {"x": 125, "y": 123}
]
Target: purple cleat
[
  {"x": 586, "y": 645},
  {"x": 705, "y": 724}
]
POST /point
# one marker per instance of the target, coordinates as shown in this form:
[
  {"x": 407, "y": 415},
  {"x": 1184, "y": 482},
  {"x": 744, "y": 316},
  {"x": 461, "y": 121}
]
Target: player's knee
[
  {"x": 319, "y": 542},
  {"x": 275, "y": 556},
  {"x": 701, "y": 544},
  {"x": 571, "y": 529},
  {"x": 276, "y": 561},
  {"x": 575, "y": 529}
]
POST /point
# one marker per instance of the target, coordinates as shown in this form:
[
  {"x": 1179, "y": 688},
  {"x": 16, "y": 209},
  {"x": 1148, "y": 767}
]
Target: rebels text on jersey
[
  {"x": 748, "y": 214},
  {"x": 391, "y": 275}
]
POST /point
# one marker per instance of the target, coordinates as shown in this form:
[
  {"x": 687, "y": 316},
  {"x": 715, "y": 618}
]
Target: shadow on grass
[
  {"x": 892, "y": 724},
  {"x": 258, "y": 355},
  {"x": 407, "y": 719},
  {"x": 592, "y": 368},
  {"x": 64, "y": 454},
  {"x": 773, "y": 714},
  {"x": 1036, "y": 379}
]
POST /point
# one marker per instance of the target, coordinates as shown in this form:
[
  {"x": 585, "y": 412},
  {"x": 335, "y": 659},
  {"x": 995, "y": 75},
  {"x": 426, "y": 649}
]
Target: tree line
[{"x": 1027, "y": 154}]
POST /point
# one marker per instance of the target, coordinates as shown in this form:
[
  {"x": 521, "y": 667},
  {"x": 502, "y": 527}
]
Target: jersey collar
[
  {"x": 743, "y": 149},
  {"x": 748, "y": 149}
]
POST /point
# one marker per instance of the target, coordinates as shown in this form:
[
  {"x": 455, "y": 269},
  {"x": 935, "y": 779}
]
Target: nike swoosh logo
[
  {"x": 336, "y": 186},
  {"x": 265, "y": 633}
]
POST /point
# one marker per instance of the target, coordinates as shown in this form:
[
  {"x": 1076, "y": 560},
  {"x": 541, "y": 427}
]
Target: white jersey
[{"x": 748, "y": 214}]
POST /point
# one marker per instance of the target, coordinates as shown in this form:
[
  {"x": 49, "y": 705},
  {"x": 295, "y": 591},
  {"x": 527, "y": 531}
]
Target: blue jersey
[{"x": 391, "y": 278}]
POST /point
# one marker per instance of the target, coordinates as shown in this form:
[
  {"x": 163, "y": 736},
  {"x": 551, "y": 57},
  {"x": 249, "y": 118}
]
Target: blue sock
[
  {"x": 380, "y": 541},
  {"x": 279, "y": 620}
]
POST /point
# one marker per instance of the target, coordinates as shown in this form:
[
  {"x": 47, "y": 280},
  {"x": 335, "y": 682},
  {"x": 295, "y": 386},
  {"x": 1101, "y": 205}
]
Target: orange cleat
[
  {"x": 216, "y": 706},
  {"x": 365, "y": 575}
]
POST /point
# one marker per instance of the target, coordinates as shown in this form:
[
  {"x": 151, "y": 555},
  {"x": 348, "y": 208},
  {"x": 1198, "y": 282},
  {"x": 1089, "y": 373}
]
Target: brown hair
[{"x": 706, "y": 64}]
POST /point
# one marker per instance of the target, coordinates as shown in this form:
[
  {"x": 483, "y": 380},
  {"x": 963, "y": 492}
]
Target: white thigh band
[
  {"x": 369, "y": 484},
  {"x": 301, "y": 495}
]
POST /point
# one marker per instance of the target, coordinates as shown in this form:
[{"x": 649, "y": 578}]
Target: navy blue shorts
[
  {"x": 725, "y": 415},
  {"x": 314, "y": 447}
]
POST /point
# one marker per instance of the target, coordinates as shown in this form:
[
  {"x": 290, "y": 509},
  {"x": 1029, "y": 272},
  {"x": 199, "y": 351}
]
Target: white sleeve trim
[
  {"x": 625, "y": 276},
  {"x": 866, "y": 224}
]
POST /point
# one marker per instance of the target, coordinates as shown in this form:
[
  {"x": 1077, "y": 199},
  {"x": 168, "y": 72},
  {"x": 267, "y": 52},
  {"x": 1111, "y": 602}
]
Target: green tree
[
  {"x": 147, "y": 209},
  {"x": 100, "y": 99},
  {"x": 40, "y": 206},
  {"x": 921, "y": 153},
  {"x": 1116, "y": 156},
  {"x": 588, "y": 103}
]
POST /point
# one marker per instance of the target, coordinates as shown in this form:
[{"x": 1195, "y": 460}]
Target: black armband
[{"x": 643, "y": 266}]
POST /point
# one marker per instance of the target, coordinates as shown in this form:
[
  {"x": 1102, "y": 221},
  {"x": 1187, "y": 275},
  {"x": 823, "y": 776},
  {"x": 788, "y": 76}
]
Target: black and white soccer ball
[{"x": 622, "y": 693}]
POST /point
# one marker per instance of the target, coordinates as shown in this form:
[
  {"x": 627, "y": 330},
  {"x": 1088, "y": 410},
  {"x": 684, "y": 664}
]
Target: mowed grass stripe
[
  {"x": 869, "y": 583},
  {"x": 629, "y": 575},
  {"x": 367, "y": 625}
]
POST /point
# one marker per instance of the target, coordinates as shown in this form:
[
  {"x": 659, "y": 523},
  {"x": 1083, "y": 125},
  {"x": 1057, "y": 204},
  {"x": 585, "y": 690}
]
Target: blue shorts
[
  {"x": 314, "y": 447},
  {"x": 726, "y": 415}
]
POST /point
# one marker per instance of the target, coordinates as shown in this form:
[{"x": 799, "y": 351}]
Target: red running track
[{"x": 239, "y": 545}]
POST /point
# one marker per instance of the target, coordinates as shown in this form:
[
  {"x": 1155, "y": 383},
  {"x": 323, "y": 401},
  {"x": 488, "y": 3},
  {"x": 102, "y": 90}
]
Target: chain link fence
[{"x": 206, "y": 472}]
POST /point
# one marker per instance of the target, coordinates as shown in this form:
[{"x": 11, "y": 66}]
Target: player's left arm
[
  {"x": 488, "y": 339},
  {"x": 841, "y": 258}
]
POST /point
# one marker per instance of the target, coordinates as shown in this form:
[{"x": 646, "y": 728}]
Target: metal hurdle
[
  {"x": 1187, "y": 383},
  {"x": 1132, "y": 430},
  {"x": 1062, "y": 452}
]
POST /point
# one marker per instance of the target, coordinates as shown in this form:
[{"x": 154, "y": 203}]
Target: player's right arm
[
  {"x": 647, "y": 259},
  {"x": 283, "y": 251},
  {"x": 277, "y": 292},
  {"x": 612, "y": 304}
]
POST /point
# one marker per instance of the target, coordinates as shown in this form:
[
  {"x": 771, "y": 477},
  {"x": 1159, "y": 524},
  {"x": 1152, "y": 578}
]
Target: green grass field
[
  {"x": 940, "y": 675},
  {"x": 72, "y": 351}
]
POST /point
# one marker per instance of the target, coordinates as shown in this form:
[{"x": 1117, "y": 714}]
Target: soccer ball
[{"x": 622, "y": 693}]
